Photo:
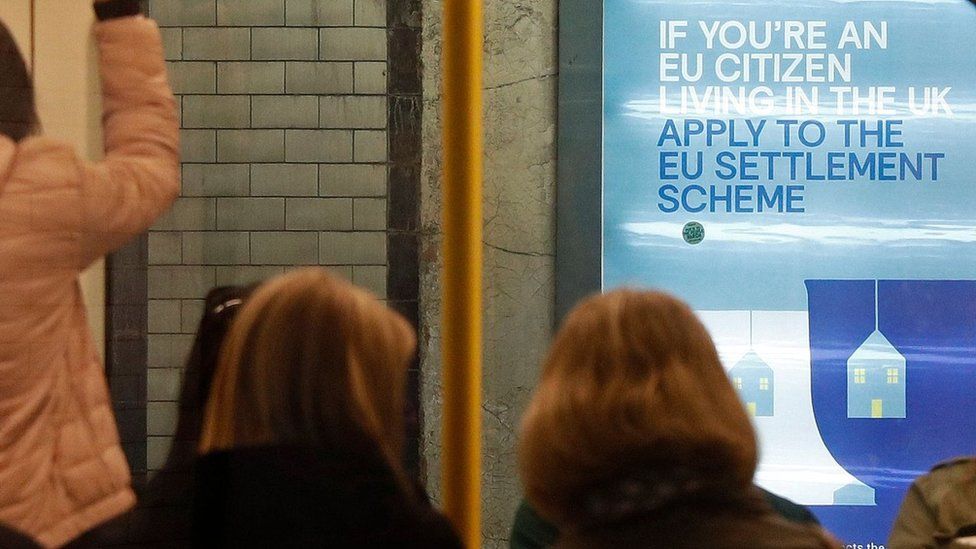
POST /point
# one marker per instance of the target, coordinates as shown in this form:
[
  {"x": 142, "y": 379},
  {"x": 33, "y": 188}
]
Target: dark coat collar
[{"x": 293, "y": 496}]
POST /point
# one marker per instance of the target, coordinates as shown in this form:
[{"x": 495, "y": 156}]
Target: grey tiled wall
[{"x": 284, "y": 109}]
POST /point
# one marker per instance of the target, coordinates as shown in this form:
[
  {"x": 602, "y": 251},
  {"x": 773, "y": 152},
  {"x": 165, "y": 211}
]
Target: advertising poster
[{"x": 804, "y": 174}]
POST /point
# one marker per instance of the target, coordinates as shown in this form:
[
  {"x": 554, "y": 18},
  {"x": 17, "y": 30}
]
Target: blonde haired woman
[
  {"x": 636, "y": 438},
  {"x": 304, "y": 427}
]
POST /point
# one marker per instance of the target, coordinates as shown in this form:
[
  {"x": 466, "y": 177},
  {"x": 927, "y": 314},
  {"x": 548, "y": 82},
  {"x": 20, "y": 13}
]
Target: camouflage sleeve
[{"x": 916, "y": 523}]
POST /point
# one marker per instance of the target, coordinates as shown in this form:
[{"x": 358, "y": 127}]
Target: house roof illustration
[
  {"x": 751, "y": 363},
  {"x": 876, "y": 351}
]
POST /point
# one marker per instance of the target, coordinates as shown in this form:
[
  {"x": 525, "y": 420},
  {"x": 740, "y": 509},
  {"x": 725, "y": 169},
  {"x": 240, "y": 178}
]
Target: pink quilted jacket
[{"x": 62, "y": 470}]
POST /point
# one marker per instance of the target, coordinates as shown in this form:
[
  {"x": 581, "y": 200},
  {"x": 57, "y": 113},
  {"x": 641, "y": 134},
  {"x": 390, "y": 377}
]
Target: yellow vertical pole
[{"x": 461, "y": 313}]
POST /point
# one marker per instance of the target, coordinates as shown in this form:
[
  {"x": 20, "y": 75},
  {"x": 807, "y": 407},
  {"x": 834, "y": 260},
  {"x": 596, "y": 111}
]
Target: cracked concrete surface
[{"x": 519, "y": 237}]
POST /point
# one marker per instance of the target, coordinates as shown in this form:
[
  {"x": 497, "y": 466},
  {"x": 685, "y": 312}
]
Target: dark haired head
[
  {"x": 18, "y": 114},
  {"x": 221, "y": 306},
  {"x": 168, "y": 497}
]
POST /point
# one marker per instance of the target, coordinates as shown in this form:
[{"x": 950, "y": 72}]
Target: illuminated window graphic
[{"x": 892, "y": 375}]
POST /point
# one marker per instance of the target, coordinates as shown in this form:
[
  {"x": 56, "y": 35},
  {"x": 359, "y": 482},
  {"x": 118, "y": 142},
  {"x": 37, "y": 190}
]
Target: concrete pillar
[{"x": 519, "y": 237}]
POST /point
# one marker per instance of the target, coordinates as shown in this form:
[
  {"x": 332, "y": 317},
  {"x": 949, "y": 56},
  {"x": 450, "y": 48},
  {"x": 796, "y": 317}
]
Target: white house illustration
[
  {"x": 755, "y": 381},
  {"x": 876, "y": 380}
]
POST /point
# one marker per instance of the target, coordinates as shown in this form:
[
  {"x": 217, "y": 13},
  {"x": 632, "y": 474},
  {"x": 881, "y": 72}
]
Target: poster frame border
[{"x": 579, "y": 166}]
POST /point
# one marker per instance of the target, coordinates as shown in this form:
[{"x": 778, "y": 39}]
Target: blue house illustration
[
  {"x": 876, "y": 380},
  {"x": 753, "y": 378}
]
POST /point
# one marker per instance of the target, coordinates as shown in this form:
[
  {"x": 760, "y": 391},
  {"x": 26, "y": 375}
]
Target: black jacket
[
  {"x": 282, "y": 496},
  {"x": 13, "y": 539}
]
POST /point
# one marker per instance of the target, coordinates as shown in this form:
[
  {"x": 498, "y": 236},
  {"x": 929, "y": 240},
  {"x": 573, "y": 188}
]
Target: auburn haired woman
[
  {"x": 304, "y": 428},
  {"x": 62, "y": 470},
  {"x": 636, "y": 438}
]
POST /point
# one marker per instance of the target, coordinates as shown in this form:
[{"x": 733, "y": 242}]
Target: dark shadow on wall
[
  {"x": 405, "y": 109},
  {"x": 126, "y": 348},
  {"x": 127, "y": 345}
]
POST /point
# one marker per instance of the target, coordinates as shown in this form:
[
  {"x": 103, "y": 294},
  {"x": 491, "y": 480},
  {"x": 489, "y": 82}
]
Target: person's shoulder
[
  {"x": 14, "y": 539},
  {"x": 531, "y": 531},
  {"x": 952, "y": 470},
  {"x": 946, "y": 478},
  {"x": 955, "y": 464},
  {"x": 776, "y": 530},
  {"x": 788, "y": 509},
  {"x": 430, "y": 530}
]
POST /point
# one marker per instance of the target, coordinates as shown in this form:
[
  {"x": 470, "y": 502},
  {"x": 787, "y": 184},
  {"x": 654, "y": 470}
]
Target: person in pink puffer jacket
[{"x": 62, "y": 470}]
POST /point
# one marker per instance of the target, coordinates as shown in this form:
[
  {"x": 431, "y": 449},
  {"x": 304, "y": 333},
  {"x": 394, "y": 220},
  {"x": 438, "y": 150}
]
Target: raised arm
[{"x": 139, "y": 176}]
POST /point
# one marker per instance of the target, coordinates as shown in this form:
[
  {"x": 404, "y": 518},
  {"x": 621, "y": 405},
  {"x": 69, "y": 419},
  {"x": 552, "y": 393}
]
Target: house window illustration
[
  {"x": 892, "y": 375},
  {"x": 876, "y": 380},
  {"x": 754, "y": 380}
]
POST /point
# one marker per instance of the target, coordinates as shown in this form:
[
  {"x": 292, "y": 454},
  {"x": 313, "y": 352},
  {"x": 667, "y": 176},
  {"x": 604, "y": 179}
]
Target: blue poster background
[
  {"x": 892, "y": 257},
  {"x": 933, "y": 324}
]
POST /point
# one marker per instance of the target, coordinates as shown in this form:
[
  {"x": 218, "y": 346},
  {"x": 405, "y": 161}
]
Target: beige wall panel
[
  {"x": 69, "y": 104},
  {"x": 16, "y": 15}
]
